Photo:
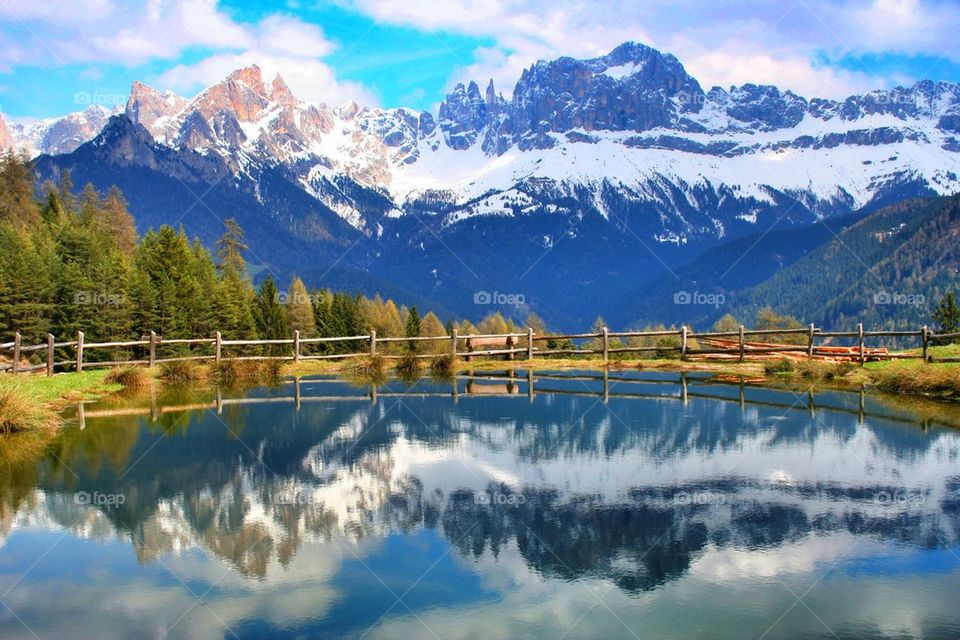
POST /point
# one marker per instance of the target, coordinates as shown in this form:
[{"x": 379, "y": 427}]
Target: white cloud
[
  {"x": 309, "y": 79},
  {"x": 721, "y": 43},
  {"x": 129, "y": 33}
]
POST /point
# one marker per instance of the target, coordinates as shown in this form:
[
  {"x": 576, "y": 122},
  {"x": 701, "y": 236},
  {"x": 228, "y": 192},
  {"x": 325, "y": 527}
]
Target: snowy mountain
[
  {"x": 60, "y": 135},
  {"x": 626, "y": 149}
]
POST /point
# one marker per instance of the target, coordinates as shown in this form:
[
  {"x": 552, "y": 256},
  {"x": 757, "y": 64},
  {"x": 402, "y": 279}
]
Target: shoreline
[{"x": 56, "y": 391}]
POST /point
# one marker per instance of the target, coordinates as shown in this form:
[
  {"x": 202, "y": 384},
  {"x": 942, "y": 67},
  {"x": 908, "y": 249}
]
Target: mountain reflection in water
[{"x": 498, "y": 505}]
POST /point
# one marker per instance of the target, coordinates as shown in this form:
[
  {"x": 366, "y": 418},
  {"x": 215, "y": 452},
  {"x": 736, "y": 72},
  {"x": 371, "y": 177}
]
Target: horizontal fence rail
[{"x": 684, "y": 343}]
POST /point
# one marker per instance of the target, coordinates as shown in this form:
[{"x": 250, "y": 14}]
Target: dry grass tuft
[
  {"x": 181, "y": 372},
  {"x": 368, "y": 370},
  {"x": 241, "y": 372},
  {"x": 819, "y": 371},
  {"x": 444, "y": 366},
  {"x": 409, "y": 368},
  {"x": 19, "y": 412},
  {"x": 128, "y": 376}
]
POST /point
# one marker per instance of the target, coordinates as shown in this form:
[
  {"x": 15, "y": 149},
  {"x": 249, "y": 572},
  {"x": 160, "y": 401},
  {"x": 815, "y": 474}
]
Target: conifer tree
[
  {"x": 300, "y": 310},
  {"x": 947, "y": 314},
  {"x": 269, "y": 313},
  {"x": 233, "y": 294},
  {"x": 430, "y": 326}
]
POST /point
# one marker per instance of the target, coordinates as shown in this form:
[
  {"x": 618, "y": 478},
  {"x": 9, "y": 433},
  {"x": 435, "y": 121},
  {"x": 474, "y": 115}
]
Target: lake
[{"x": 553, "y": 505}]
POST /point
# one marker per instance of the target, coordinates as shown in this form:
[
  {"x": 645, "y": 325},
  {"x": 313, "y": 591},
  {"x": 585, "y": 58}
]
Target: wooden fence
[{"x": 526, "y": 345}]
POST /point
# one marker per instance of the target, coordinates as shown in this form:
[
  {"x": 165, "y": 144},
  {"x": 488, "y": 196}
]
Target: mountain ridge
[{"x": 625, "y": 149}]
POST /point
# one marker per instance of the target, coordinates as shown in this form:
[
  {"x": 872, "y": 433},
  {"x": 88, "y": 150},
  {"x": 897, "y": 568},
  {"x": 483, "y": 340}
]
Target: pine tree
[
  {"x": 597, "y": 327},
  {"x": 269, "y": 313},
  {"x": 494, "y": 323},
  {"x": 300, "y": 310},
  {"x": 431, "y": 326},
  {"x": 17, "y": 202},
  {"x": 413, "y": 327},
  {"x": 52, "y": 211},
  {"x": 118, "y": 221},
  {"x": 726, "y": 324},
  {"x": 947, "y": 314}
]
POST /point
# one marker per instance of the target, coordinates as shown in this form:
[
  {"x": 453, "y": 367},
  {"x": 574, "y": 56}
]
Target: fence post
[
  {"x": 453, "y": 343},
  {"x": 683, "y": 342},
  {"x": 373, "y": 343},
  {"x": 860, "y": 341},
  {"x": 529, "y": 343},
  {"x": 217, "y": 347},
  {"x": 153, "y": 348},
  {"x": 16, "y": 352},
  {"x": 606, "y": 345},
  {"x": 79, "y": 351},
  {"x": 810, "y": 342},
  {"x": 925, "y": 338},
  {"x": 49, "y": 354},
  {"x": 743, "y": 348},
  {"x": 296, "y": 345}
]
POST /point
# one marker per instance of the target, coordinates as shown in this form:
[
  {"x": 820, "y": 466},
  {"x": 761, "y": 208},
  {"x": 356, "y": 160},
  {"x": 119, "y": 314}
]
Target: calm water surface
[{"x": 643, "y": 508}]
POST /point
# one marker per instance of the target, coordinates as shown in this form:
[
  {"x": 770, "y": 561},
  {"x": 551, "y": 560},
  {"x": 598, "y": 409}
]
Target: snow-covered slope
[
  {"x": 640, "y": 138},
  {"x": 60, "y": 135}
]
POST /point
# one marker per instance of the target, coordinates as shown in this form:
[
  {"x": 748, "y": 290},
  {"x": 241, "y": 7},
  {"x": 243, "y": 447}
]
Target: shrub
[
  {"x": 180, "y": 371},
  {"x": 409, "y": 368},
  {"x": 128, "y": 376},
  {"x": 823, "y": 371},
  {"x": 236, "y": 372},
  {"x": 369, "y": 369},
  {"x": 784, "y": 365},
  {"x": 443, "y": 366}
]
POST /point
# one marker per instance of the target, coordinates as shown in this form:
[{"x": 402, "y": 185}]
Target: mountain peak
[
  {"x": 151, "y": 108},
  {"x": 280, "y": 92},
  {"x": 250, "y": 76}
]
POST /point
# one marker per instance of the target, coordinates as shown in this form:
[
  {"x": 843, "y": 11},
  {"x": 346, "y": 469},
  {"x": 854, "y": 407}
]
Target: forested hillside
[
  {"x": 72, "y": 261},
  {"x": 888, "y": 270}
]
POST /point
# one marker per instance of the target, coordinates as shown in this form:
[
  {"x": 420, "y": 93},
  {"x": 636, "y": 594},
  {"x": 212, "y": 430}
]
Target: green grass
[
  {"x": 917, "y": 378},
  {"x": 62, "y": 387}
]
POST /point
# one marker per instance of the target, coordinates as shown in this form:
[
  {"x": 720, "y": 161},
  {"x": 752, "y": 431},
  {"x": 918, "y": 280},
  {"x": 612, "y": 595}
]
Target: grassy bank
[{"x": 937, "y": 380}]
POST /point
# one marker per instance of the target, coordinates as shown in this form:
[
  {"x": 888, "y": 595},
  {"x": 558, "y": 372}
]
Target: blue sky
[{"x": 57, "y": 57}]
